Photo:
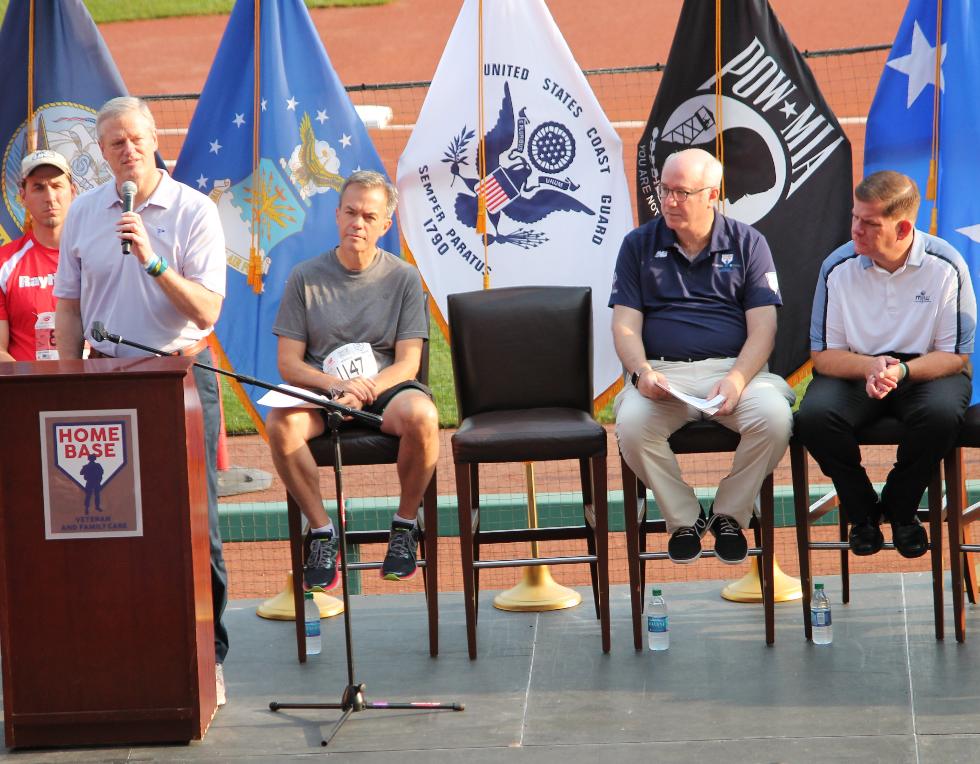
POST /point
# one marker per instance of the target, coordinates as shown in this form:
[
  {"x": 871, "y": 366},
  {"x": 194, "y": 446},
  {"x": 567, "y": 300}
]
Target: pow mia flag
[{"x": 787, "y": 160}]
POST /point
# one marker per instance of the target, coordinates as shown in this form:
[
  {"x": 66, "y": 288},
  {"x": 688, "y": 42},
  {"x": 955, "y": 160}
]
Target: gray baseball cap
[{"x": 42, "y": 157}]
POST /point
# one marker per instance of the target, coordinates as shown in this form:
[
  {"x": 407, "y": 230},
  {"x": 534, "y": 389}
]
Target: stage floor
[{"x": 542, "y": 691}]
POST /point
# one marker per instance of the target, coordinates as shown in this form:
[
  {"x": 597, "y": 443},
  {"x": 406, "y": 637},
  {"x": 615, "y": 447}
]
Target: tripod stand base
[{"x": 353, "y": 701}]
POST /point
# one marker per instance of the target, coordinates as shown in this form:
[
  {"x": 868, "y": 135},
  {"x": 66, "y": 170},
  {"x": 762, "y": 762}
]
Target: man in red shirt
[{"x": 28, "y": 264}]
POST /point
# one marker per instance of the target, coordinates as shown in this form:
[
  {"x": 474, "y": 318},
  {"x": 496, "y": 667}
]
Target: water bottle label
[
  {"x": 820, "y": 618},
  {"x": 657, "y": 624},
  {"x": 313, "y": 628}
]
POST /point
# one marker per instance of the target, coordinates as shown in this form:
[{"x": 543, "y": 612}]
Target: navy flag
[
  {"x": 900, "y": 124},
  {"x": 787, "y": 160},
  {"x": 282, "y": 211},
  {"x": 73, "y": 75}
]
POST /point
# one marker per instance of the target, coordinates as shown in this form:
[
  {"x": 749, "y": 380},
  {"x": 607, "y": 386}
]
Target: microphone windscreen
[
  {"x": 128, "y": 194},
  {"x": 97, "y": 331}
]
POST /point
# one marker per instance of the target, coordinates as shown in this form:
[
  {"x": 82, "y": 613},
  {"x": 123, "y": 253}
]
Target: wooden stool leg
[
  {"x": 955, "y": 501},
  {"x": 969, "y": 571},
  {"x": 766, "y": 569},
  {"x": 936, "y": 548},
  {"x": 602, "y": 546},
  {"x": 430, "y": 513},
  {"x": 294, "y": 519},
  {"x": 633, "y": 563},
  {"x": 801, "y": 509},
  {"x": 845, "y": 568},
  {"x": 586, "y": 478},
  {"x": 466, "y": 546}
]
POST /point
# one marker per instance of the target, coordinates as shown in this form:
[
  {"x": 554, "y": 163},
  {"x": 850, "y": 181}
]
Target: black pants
[
  {"x": 834, "y": 409},
  {"x": 207, "y": 391}
]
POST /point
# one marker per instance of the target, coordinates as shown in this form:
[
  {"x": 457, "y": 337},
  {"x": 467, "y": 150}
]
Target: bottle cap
[
  {"x": 654, "y": 592},
  {"x": 818, "y": 587},
  {"x": 308, "y": 595}
]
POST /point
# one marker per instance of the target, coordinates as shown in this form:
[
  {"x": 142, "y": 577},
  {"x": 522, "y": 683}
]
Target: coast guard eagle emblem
[{"x": 525, "y": 179}]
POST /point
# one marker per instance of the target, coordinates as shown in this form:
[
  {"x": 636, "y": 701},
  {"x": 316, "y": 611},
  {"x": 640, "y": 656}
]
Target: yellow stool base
[
  {"x": 749, "y": 587},
  {"x": 537, "y": 591},
  {"x": 280, "y": 607}
]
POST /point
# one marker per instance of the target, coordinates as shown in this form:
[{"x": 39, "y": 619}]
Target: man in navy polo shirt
[
  {"x": 893, "y": 324},
  {"x": 694, "y": 302}
]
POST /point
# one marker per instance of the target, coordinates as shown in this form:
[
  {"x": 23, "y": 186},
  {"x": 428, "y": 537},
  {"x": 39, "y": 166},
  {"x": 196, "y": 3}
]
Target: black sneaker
[
  {"x": 865, "y": 537},
  {"x": 400, "y": 562},
  {"x": 730, "y": 544},
  {"x": 685, "y": 543},
  {"x": 320, "y": 570},
  {"x": 910, "y": 539}
]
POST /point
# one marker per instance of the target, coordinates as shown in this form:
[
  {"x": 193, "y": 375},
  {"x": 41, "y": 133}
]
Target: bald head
[{"x": 696, "y": 164}]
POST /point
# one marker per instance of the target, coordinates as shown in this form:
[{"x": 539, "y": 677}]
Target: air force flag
[
  {"x": 557, "y": 206},
  {"x": 310, "y": 140},
  {"x": 900, "y": 123}
]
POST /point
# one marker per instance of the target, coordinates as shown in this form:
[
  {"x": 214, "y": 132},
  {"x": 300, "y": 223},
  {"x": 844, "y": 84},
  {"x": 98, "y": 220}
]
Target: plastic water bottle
[
  {"x": 658, "y": 635},
  {"x": 311, "y": 613},
  {"x": 823, "y": 630}
]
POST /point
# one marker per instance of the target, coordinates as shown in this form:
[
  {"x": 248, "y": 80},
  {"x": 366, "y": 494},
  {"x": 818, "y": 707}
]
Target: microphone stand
[
  {"x": 352, "y": 699},
  {"x": 99, "y": 334}
]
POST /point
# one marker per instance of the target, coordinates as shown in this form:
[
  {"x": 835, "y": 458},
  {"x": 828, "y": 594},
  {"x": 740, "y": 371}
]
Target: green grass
[{"x": 104, "y": 11}]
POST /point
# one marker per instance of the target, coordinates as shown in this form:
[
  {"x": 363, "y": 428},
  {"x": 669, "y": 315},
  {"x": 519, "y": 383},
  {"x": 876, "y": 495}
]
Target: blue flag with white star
[
  {"x": 310, "y": 140},
  {"x": 73, "y": 75},
  {"x": 900, "y": 123}
]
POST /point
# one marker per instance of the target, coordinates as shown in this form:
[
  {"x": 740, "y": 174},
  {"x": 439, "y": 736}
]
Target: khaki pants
[{"x": 762, "y": 418}]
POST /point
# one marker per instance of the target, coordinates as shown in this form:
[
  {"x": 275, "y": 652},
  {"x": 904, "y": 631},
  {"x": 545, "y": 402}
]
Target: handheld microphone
[{"x": 128, "y": 197}]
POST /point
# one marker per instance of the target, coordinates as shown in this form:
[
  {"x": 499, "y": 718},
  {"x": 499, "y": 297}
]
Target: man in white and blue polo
[
  {"x": 694, "y": 303},
  {"x": 893, "y": 324}
]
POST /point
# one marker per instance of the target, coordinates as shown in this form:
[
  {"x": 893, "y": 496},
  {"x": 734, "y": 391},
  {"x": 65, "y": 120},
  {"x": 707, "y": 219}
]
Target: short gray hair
[
  {"x": 702, "y": 162},
  {"x": 372, "y": 179},
  {"x": 116, "y": 107}
]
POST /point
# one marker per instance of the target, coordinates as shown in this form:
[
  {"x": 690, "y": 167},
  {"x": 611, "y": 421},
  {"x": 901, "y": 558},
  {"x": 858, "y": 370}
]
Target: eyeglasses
[{"x": 680, "y": 196}]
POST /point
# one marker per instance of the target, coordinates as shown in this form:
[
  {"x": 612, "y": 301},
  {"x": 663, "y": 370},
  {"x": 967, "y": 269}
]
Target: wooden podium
[{"x": 105, "y": 614}]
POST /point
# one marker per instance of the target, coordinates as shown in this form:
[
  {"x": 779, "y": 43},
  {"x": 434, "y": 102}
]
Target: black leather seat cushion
[
  {"x": 541, "y": 434},
  {"x": 358, "y": 445}
]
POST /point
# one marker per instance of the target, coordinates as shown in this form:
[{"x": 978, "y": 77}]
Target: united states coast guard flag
[
  {"x": 900, "y": 123},
  {"x": 787, "y": 160},
  {"x": 557, "y": 206},
  {"x": 310, "y": 140},
  {"x": 73, "y": 76}
]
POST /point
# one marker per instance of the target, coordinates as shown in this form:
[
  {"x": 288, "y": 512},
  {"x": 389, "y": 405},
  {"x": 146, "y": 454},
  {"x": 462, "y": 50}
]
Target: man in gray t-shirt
[{"x": 352, "y": 322}]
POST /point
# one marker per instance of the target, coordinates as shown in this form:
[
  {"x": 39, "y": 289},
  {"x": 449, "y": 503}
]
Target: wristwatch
[{"x": 635, "y": 377}]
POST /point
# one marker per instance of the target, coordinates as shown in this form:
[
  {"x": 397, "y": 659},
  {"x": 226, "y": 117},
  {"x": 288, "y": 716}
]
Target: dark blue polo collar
[{"x": 719, "y": 241}]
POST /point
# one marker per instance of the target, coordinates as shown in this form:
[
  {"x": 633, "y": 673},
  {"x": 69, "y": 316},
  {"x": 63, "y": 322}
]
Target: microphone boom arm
[{"x": 99, "y": 334}]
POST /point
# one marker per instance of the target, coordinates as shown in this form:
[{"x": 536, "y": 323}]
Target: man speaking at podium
[{"x": 146, "y": 255}]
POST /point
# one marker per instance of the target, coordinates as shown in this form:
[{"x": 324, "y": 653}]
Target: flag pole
[
  {"x": 537, "y": 590},
  {"x": 719, "y": 138},
  {"x": 749, "y": 587},
  {"x": 255, "y": 253},
  {"x": 932, "y": 185},
  {"x": 31, "y": 139},
  {"x": 481, "y": 190}
]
